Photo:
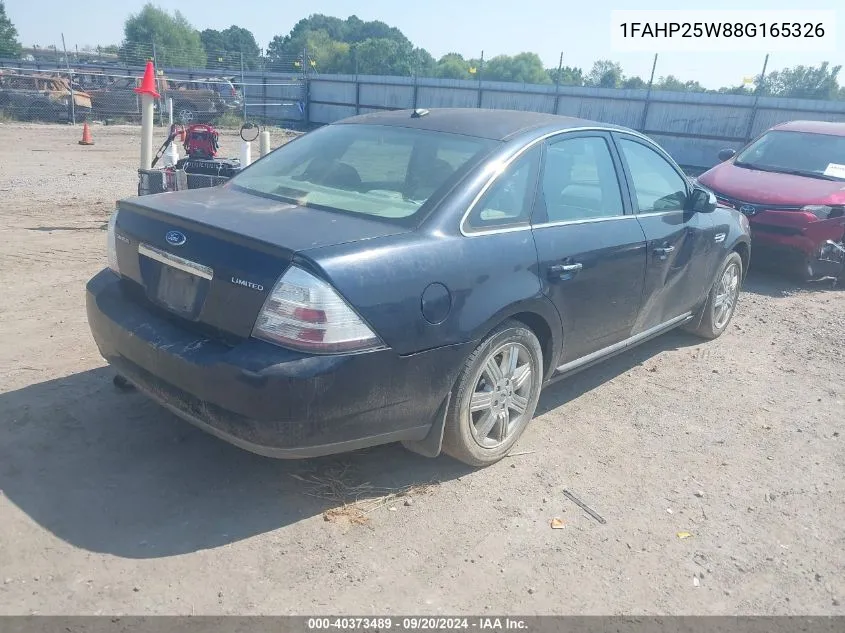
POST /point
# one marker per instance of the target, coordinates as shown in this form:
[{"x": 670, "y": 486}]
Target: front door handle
[
  {"x": 663, "y": 251},
  {"x": 564, "y": 271}
]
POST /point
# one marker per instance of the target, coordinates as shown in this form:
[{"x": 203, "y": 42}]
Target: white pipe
[
  {"x": 147, "y": 114},
  {"x": 172, "y": 154},
  {"x": 264, "y": 143},
  {"x": 170, "y": 111},
  {"x": 246, "y": 153}
]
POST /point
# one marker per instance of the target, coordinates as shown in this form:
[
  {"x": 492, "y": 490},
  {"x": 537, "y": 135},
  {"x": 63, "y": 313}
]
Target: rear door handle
[
  {"x": 663, "y": 251},
  {"x": 564, "y": 271}
]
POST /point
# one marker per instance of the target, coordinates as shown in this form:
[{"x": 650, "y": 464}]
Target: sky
[{"x": 579, "y": 30}]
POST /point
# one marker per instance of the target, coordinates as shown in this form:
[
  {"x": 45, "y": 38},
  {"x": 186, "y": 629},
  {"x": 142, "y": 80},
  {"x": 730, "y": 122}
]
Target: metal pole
[
  {"x": 357, "y": 87},
  {"x": 757, "y": 92},
  {"x": 155, "y": 64},
  {"x": 243, "y": 85},
  {"x": 416, "y": 73},
  {"x": 70, "y": 84},
  {"x": 480, "y": 72},
  {"x": 557, "y": 83},
  {"x": 307, "y": 108},
  {"x": 648, "y": 94}
]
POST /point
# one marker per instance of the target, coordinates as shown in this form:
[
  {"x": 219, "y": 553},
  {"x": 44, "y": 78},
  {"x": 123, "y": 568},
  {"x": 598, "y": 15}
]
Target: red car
[{"x": 790, "y": 182}]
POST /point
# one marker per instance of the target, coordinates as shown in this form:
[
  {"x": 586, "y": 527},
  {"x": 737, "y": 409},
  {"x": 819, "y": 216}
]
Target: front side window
[
  {"x": 657, "y": 186},
  {"x": 796, "y": 152},
  {"x": 579, "y": 181},
  {"x": 383, "y": 171}
]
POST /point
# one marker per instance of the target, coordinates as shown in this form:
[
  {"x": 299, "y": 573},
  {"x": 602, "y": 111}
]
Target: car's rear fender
[{"x": 420, "y": 291}]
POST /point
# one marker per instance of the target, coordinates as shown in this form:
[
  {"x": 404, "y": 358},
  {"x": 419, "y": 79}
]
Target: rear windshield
[
  {"x": 814, "y": 155},
  {"x": 383, "y": 171}
]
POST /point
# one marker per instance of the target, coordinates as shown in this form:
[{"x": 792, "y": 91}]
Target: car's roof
[
  {"x": 813, "y": 127},
  {"x": 491, "y": 124}
]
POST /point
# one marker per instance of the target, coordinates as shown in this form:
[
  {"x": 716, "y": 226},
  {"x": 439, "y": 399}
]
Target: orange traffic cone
[
  {"x": 86, "y": 135},
  {"x": 148, "y": 83}
]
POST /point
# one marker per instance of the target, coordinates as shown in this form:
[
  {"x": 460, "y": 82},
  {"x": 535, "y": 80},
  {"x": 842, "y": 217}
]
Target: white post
[
  {"x": 264, "y": 143},
  {"x": 170, "y": 111},
  {"x": 246, "y": 153},
  {"x": 147, "y": 113}
]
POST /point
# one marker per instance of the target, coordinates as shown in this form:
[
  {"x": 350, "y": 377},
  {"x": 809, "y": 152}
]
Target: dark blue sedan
[{"x": 410, "y": 276}]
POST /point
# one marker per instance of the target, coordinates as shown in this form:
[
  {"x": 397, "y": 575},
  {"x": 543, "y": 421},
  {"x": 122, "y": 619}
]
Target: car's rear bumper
[{"x": 264, "y": 398}]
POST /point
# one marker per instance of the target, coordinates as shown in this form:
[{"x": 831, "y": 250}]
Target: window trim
[
  {"x": 543, "y": 137},
  {"x": 618, "y": 137}
]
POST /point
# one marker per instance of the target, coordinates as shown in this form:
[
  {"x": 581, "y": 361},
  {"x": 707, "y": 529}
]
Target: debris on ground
[
  {"x": 337, "y": 484},
  {"x": 346, "y": 514},
  {"x": 695, "y": 581},
  {"x": 684, "y": 535},
  {"x": 557, "y": 524},
  {"x": 584, "y": 507}
]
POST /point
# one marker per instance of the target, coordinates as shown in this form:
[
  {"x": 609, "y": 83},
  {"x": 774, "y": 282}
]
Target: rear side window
[
  {"x": 509, "y": 200},
  {"x": 657, "y": 186},
  {"x": 579, "y": 181}
]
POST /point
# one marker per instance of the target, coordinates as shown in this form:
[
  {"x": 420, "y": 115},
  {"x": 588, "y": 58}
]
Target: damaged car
[
  {"x": 790, "y": 183},
  {"x": 410, "y": 276},
  {"x": 42, "y": 98}
]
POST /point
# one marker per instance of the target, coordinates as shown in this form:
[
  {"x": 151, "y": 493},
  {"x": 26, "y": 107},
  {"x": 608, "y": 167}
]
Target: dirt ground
[{"x": 109, "y": 504}]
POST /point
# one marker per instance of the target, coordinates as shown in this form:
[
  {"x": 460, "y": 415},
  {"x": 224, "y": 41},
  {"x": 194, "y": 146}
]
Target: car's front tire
[
  {"x": 722, "y": 300},
  {"x": 495, "y": 396}
]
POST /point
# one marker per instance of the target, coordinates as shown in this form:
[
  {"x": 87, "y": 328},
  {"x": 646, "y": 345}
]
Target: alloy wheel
[
  {"x": 727, "y": 293},
  {"x": 503, "y": 389}
]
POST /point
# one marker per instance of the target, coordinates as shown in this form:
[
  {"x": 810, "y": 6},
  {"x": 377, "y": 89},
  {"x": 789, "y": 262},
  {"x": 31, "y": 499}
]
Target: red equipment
[{"x": 201, "y": 141}]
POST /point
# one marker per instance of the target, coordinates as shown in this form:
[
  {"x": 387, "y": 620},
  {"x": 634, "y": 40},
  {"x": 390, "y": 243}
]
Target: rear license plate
[{"x": 177, "y": 289}]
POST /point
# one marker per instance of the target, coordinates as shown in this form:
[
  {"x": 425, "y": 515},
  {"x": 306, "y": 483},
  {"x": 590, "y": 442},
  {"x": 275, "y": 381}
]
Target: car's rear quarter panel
[{"x": 489, "y": 278}]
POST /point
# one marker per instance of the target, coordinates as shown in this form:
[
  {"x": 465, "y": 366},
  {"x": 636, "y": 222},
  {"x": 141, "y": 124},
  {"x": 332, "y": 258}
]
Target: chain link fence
[{"x": 88, "y": 93}]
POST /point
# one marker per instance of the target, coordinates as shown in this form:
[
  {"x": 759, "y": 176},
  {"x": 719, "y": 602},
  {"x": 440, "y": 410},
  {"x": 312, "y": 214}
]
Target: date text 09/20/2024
[{"x": 417, "y": 624}]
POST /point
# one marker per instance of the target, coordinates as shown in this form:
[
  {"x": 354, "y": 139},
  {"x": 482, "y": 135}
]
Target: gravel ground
[{"x": 109, "y": 504}]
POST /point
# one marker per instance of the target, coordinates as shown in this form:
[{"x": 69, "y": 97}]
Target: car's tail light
[
  {"x": 111, "y": 242},
  {"x": 305, "y": 313},
  {"x": 823, "y": 211}
]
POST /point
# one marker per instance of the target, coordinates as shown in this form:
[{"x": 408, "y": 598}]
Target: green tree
[
  {"x": 177, "y": 43},
  {"x": 634, "y": 83},
  {"x": 734, "y": 90},
  {"x": 806, "y": 82},
  {"x": 326, "y": 55},
  {"x": 605, "y": 74},
  {"x": 569, "y": 76},
  {"x": 9, "y": 44},
  {"x": 224, "y": 48},
  {"x": 673, "y": 84},
  {"x": 524, "y": 67},
  {"x": 284, "y": 50},
  {"x": 380, "y": 56},
  {"x": 452, "y": 66}
]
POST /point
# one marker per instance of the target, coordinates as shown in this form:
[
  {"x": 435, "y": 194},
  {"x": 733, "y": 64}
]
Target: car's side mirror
[
  {"x": 726, "y": 154},
  {"x": 702, "y": 201}
]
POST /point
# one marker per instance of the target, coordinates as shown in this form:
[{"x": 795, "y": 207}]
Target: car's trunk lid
[{"x": 211, "y": 256}]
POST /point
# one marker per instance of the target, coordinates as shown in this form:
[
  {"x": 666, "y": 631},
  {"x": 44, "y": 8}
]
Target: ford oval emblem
[
  {"x": 175, "y": 238},
  {"x": 747, "y": 209}
]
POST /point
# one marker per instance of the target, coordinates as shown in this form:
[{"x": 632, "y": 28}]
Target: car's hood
[{"x": 765, "y": 187}]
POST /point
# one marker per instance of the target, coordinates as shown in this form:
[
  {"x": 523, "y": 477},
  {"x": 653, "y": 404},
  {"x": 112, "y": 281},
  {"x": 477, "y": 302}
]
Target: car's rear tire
[
  {"x": 495, "y": 396},
  {"x": 722, "y": 299}
]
